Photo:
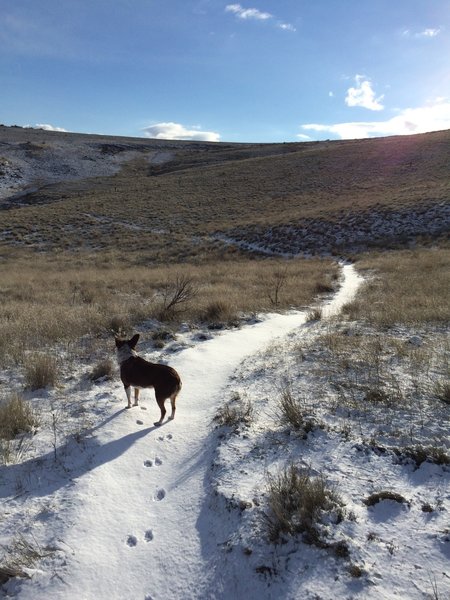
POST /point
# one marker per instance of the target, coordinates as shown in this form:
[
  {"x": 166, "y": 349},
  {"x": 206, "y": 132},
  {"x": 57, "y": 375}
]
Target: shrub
[
  {"x": 293, "y": 412},
  {"x": 315, "y": 314},
  {"x": 41, "y": 370},
  {"x": 103, "y": 369},
  {"x": 16, "y": 416},
  {"x": 420, "y": 454},
  {"x": 323, "y": 287},
  {"x": 442, "y": 391},
  {"x": 218, "y": 311},
  {"x": 296, "y": 502},
  {"x": 234, "y": 413},
  {"x": 177, "y": 295}
]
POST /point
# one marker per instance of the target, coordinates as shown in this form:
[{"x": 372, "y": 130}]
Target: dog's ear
[{"x": 134, "y": 340}]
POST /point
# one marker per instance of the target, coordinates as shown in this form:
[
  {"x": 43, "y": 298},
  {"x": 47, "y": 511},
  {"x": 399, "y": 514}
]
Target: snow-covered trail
[{"x": 139, "y": 524}]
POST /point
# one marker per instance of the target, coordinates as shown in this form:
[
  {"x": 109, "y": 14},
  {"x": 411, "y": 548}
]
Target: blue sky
[{"x": 256, "y": 71}]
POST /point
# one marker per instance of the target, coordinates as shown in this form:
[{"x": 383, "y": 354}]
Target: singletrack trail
[{"x": 139, "y": 516}]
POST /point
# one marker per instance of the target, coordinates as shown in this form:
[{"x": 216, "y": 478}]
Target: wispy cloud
[
  {"x": 257, "y": 15},
  {"x": 429, "y": 32},
  {"x": 432, "y": 117},
  {"x": 176, "y": 131},
  {"x": 286, "y": 27},
  {"x": 363, "y": 95},
  {"x": 248, "y": 13}
]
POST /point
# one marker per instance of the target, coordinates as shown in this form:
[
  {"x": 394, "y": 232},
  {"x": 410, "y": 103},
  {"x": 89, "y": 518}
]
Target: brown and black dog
[{"x": 139, "y": 373}]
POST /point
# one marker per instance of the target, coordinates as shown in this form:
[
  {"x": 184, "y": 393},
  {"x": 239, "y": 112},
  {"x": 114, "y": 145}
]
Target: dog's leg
[
  {"x": 160, "y": 402},
  {"x": 136, "y": 396},
  {"x": 128, "y": 392},
  {"x": 173, "y": 398}
]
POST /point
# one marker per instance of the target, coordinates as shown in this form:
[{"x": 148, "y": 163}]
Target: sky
[{"x": 260, "y": 71}]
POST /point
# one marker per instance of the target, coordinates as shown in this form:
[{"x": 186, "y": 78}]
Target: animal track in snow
[
  {"x": 139, "y": 422},
  {"x": 161, "y": 438},
  {"x": 148, "y": 535},
  {"x": 157, "y": 462},
  {"x": 132, "y": 541},
  {"x": 160, "y": 494}
]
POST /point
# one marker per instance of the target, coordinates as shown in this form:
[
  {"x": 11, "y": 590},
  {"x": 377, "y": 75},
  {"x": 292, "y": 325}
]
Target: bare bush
[
  {"x": 279, "y": 279},
  {"x": 177, "y": 294}
]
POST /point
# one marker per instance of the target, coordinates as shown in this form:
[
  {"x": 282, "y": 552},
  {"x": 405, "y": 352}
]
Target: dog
[{"x": 141, "y": 374}]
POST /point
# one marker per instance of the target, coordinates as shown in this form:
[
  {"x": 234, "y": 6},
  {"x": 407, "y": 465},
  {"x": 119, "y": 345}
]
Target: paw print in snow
[
  {"x": 160, "y": 494},
  {"x": 157, "y": 462},
  {"x": 149, "y": 535},
  {"x": 131, "y": 541}
]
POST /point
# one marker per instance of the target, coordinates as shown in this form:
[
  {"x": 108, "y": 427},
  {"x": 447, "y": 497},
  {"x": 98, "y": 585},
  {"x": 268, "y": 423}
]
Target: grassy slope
[{"x": 218, "y": 187}]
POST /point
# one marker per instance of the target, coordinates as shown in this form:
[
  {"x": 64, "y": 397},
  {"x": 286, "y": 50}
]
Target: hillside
[{"x": 195, "y": 200}]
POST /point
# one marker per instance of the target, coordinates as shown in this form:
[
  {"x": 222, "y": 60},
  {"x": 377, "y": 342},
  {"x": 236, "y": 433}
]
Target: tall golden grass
[
  {"x": 405, "y": 286},
  {"x": 48, "y": 301}
]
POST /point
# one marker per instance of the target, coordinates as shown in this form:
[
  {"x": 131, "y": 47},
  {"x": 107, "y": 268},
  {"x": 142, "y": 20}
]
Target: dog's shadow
[{"x": 63, "y": 465}]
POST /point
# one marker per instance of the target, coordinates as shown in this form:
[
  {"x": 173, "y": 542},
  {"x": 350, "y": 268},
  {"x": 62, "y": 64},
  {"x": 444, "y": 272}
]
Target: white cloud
[
  {"x": 175, "y": 131},
  {"x": 48, "y": 127},
  {"x": 303, "y": 137},
  {"x": 363, "y": 95},
  {"x": 258, "y": 15},
  {"x": 432, "y": 117},
  {"x": 429, "y": 33},
  {"x": 286, "y": 27},
  {"x": 247, "y": 13}
]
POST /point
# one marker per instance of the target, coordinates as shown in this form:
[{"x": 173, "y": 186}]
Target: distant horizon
[{"x": 146, "y": 138}]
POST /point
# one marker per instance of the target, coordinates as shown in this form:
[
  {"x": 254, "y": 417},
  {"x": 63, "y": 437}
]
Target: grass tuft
[
  {"x": 16, "y": 416},
  {"x": 102, "y": 370},
  {"x": 41, "y": 371},
  {"x": 234, "y": 413},
  {"x": 296, "y": 502},
  {"x": 293, "y": 412}
]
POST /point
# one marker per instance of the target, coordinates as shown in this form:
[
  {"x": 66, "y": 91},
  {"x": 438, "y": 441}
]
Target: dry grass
[
  {"x": 296, "y": 503},
  {"x": 294, "y": 413},
  {"x": 41, "y": 371},
  {"x": 408, "y": 286},
  {"x": 16, "y": 416},
  {"x": 234, "y": 413},
  {"x": 58, "y": 301}
]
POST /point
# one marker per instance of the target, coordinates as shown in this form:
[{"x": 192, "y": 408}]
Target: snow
[{"x": 133, "y": 511}]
